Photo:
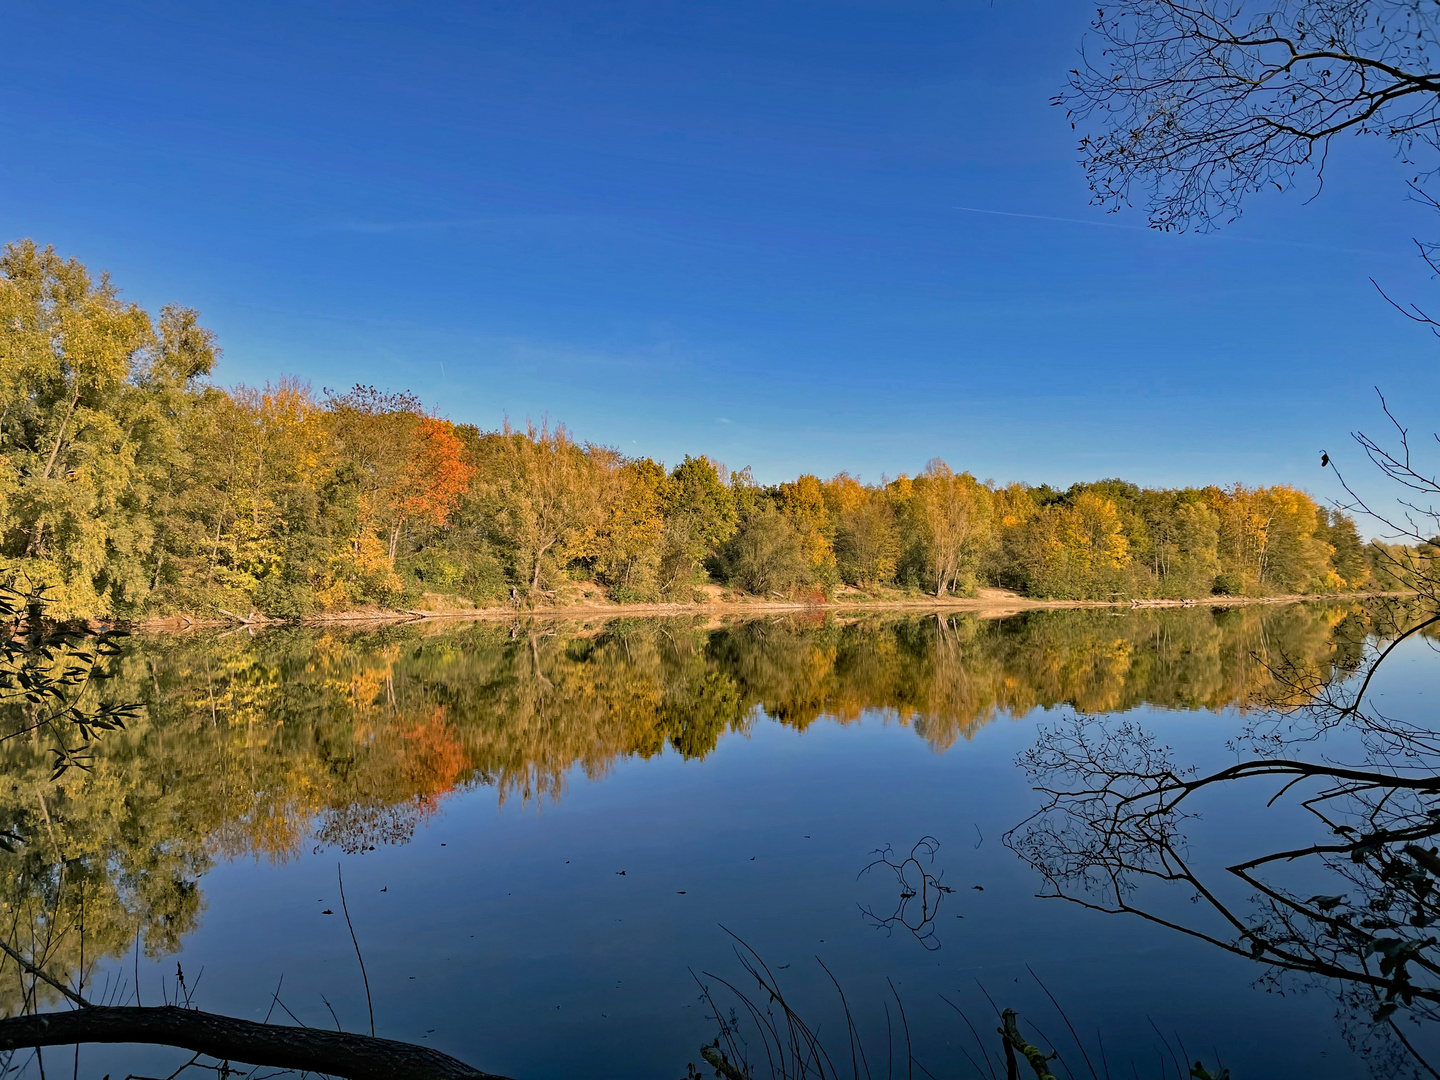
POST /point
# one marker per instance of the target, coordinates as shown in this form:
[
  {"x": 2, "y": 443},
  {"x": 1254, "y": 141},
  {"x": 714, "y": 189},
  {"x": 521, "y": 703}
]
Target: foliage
[
  {"x": 768, "y": 554},
  {"x": 94, "y": 398},
  {"x": 129, "y": 485},
  {"x": 950, "y": 517},
  {"x": 47, "y": 673},
  {"x": 545, "y": 497}
]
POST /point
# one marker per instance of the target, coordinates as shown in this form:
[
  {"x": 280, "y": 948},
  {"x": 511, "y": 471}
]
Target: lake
[{"x": 554, "y": 834}]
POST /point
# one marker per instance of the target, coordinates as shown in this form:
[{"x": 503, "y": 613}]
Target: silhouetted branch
[
  {"x": 1200, "y": 103},
  {"x": 355, "y": 1057},
  {"x": 915, "y": 883}
]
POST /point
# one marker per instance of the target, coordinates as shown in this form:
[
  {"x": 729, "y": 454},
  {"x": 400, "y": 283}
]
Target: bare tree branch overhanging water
[{"x": 1191, "y": 106}]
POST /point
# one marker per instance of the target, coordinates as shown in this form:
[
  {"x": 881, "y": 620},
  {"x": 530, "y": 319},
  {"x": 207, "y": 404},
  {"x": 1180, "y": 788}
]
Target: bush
[
  {"x": 1228, "y": 585},
  {"x": 469, "y": 571},
  {"x": 627, "y": 594},
  {"x": 283, "y": 599}
]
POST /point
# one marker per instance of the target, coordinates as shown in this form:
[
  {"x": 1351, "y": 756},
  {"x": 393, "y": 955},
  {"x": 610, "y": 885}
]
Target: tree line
[{"x": 132, "y": 484}]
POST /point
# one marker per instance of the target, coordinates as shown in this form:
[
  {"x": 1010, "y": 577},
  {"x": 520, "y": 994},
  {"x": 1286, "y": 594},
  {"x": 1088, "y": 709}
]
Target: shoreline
[{"x": 995, "y": 604}]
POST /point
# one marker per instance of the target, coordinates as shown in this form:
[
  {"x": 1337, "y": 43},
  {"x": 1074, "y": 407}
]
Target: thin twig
[{"x": 354, "y": 940}]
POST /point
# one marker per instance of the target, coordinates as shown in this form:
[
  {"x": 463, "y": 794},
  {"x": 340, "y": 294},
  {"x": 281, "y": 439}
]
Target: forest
[{"x": 132, "y": 484}]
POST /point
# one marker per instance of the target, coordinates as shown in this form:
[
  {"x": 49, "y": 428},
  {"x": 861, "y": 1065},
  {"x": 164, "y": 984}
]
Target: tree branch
[{"x": 354, "y": 1057}]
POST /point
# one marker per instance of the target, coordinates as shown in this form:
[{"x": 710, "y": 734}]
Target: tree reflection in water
[
  {"x": 1354, "y": 909},
  {"x": 301, "y": 738}
]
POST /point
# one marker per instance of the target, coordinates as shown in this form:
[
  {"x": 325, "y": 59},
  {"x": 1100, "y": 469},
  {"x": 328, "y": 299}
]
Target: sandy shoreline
[{"x": 992, "y": 604}]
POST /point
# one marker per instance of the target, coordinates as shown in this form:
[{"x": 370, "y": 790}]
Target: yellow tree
[
  {"x": 253, "y": 448},
  {"x": 953, "y": 513},
  {"x": 629, "y": 549},
  {"x": 1271, "y": 539},
  {"x": 803, "y": 502},
  {"x": 1296, "y": 556},
  {"x": 1073, "y": 551},
  {"x": 91, "y": 398},
  {"x": 867, "y": 545},
  {"x": 1093, "y": 533},
  {"x": 546, "y": 495}
]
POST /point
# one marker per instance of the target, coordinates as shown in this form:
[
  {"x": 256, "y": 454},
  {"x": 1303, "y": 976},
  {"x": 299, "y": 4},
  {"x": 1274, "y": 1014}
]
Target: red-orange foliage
[
  {"x": 434, "y": 759},
  {"x": 436, "y": 472}
]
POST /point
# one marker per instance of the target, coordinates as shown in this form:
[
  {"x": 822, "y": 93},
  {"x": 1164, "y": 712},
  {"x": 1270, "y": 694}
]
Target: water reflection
[
  {"x": 295, "y": 738},
  {"x": 1348, "y": 904}
]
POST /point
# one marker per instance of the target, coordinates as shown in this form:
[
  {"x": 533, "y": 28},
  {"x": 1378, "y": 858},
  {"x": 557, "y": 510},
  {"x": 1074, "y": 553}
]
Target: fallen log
[{"x": 225, "y": 1038}]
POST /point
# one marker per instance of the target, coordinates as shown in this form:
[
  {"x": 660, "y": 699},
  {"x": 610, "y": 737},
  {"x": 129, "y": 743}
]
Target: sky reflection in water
[{"x": 544, "y": 827}]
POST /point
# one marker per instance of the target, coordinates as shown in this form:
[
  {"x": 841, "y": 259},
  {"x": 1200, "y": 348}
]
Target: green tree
[
  {"x": 767, "y": 553},
  {"x": 1348, "y": 551},
  {"x": 94, "y": 396},
  {"x": 700, "y": 516}
]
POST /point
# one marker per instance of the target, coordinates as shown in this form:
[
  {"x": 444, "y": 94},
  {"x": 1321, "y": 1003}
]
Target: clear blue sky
[{"x": 803, "y": 237}]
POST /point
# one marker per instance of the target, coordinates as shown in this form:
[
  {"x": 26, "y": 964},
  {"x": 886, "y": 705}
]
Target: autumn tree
[
  {"x": 399, "y": 469},
  {"x": 250, "y": 525},
  {"x": 867, "y": 543},
  {"x": 375, "y": 433},
  {"x": 1076, "y": 550},
  {"x": 92, "y": 395},
  {"x": 435, "y": 474},
  {"x": 802, "y": 501},
  {"x": 1271, "y": 540},
  {"x": 628, "y": 555},
  {"x": 952, "y": 513},
  {"x": 546, "y": 497}
]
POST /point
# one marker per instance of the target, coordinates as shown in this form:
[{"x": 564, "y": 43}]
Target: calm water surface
[{"x": 546, "y": 830}]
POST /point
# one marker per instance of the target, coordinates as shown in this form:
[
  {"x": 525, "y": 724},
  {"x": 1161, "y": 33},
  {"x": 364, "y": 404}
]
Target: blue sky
[{"x": 803, "y": 237}]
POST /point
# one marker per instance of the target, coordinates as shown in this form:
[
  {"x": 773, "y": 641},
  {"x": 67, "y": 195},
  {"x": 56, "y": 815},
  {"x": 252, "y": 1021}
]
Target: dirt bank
[{"x": 989, "y": 603}]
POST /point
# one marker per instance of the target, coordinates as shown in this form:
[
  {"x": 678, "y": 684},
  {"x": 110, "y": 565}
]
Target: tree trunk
[
  {"x": 50, "y": 465},
  {"x": 355, "y": 1057},
  {"x": 539, "y": 555},
  {"x": 215, "y": 549},
  {"x": 60, "y": 435}
]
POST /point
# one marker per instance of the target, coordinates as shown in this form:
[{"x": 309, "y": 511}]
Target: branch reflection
[{"x": 1349, "y": 904}]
